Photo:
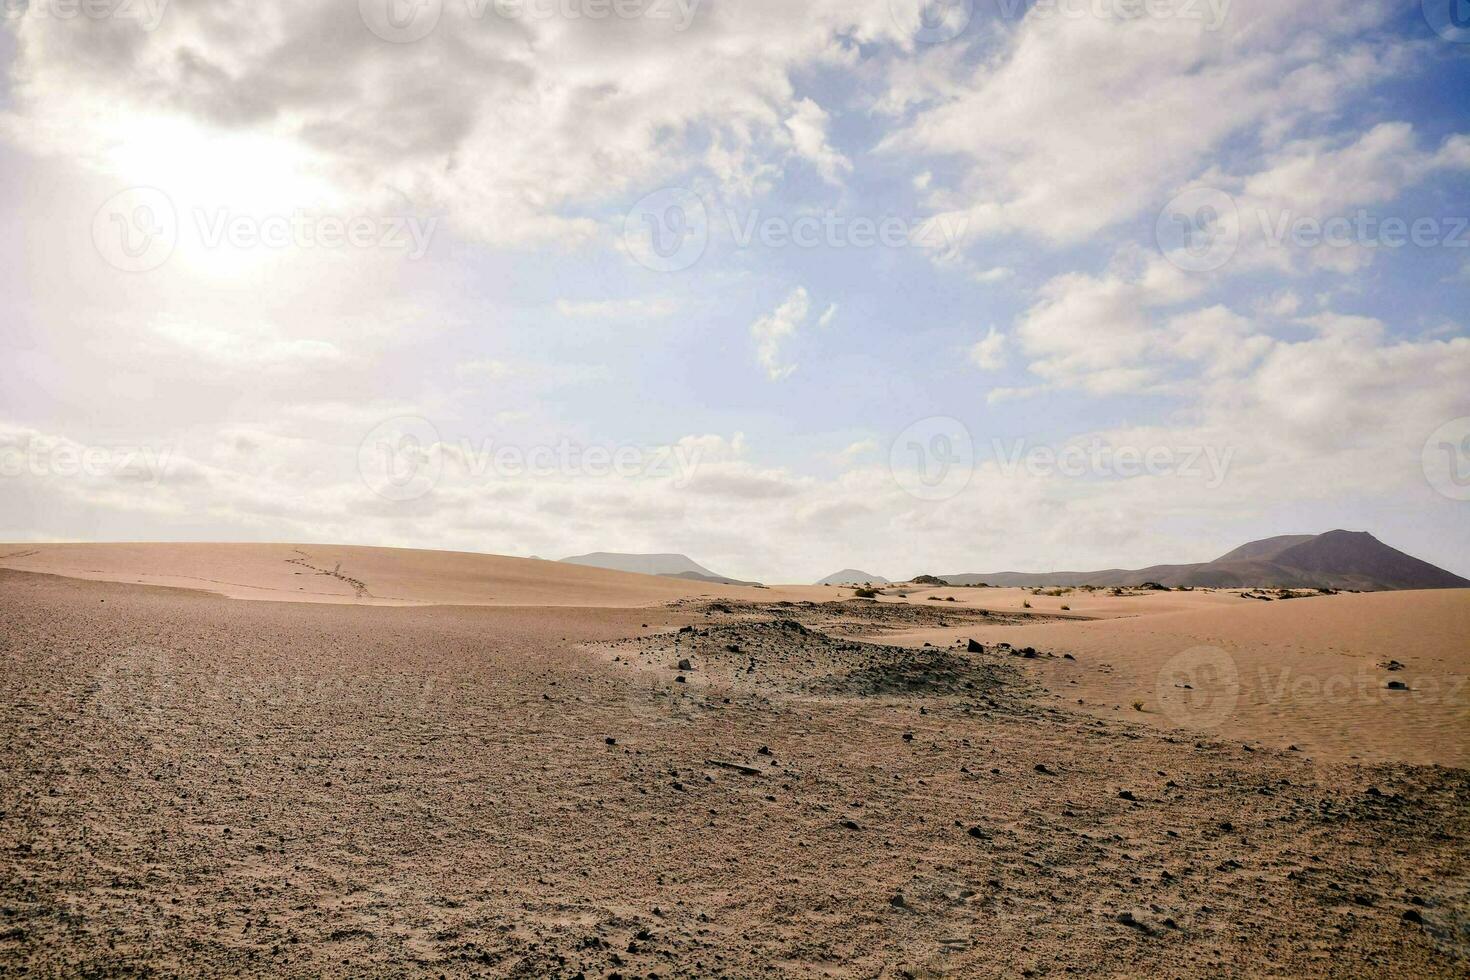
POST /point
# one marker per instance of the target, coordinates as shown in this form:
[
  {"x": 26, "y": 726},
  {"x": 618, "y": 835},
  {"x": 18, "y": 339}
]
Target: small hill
[
  {"x": 1334, "y": 559},
  {"x": 670, "y": 565},
  {"x": 852, "y": 576}
]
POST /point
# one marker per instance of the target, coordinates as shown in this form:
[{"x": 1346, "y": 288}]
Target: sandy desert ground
[{"x": 460, "y": 765}]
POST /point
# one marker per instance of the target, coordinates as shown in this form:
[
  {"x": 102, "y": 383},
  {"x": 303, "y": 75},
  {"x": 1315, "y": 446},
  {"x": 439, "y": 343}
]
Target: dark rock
[{"x": 1127, "y": 919}]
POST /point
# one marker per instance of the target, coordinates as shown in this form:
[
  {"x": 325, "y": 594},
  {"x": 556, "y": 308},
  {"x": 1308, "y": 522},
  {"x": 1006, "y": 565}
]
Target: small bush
[
  {"x": 1026, "y": 604},
  {"x": 865, "y": 593},
  {"x": 1137, "y": 705}
]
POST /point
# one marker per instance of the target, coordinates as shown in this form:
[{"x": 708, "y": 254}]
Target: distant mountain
[
  {"x": 1266, "y": 548},
  {"x": 1335, "y": 560},
  {"x": 672, "y": 566},
  {"x": 851, "y": 576}
]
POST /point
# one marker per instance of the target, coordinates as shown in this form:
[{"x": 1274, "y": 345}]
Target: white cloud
[
  {"x": 808, "y": 127},
  {"x": 1060, "y": 154},
  {"x": 775, "y": 328},
  {"x": 1097, "y": 332},
  {"x": 302, "y": 105},
  {"x": 989, "y": 354},
  {"x": 1315, "y": 178}
]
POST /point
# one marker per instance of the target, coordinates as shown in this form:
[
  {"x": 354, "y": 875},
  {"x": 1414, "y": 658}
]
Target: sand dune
[
  {"x": 1305, "y": 671},
  {"x": 343, "y": 573}
]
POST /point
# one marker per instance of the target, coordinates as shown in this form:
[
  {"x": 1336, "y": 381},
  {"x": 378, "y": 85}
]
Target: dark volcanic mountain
[{"x": 1336, "y": 560}]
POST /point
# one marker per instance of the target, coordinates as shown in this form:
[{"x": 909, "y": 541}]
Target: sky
[{"x": 785, "y": 286}]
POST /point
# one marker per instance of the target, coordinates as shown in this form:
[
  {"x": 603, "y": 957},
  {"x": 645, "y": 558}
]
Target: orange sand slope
[
  {"x": 1310, "y": 672},
  {"x": 343, "y": 573}
]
